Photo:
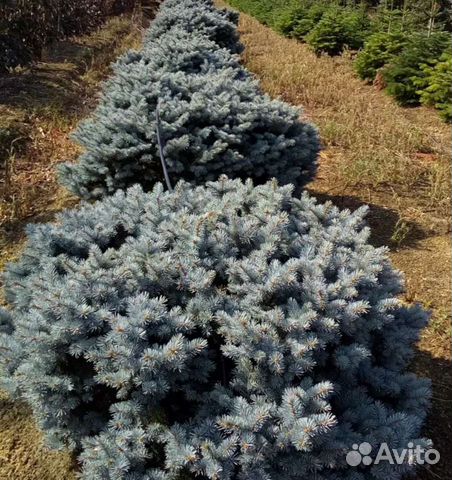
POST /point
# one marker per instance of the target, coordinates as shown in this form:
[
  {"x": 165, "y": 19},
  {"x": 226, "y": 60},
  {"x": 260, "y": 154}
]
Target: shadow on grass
[
  {"x": 388, "y": 228},
  {"x": 51, "y": 84},
  {"x": 438, "y": 425}
]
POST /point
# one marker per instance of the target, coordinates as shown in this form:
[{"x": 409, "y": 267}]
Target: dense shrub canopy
[
  {"x": 214, "y": 120},
  {"x": 288, "y": 18},
  {"x": 181, "y": 51},
  {"x": 200, "y": 17},
  {"x": 266, "y": 11},
  {"x": 227, "y": 331},
  {"x": 308, "y": 22},
  {"x": 211, "y": 124},
  {"x": 379, "y": 50},
  {"x": 339, "y": 29},
  {"x": 435, "y": 88},
  {"x": 299, "y": 18},
  {"x": 405, "y": 71}
]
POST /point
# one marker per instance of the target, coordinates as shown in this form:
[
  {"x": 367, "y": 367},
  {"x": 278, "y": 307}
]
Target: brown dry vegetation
[
  {"x": 397, "y": 161},
  {"x": 39, "y": 108}
]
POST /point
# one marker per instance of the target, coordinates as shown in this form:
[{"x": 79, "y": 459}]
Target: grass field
[{"x": 394, "y": 159}]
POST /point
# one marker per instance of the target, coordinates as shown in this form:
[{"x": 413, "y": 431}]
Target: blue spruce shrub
[
  {"x": 214, "y": 120},
  {"x": 182, "y": 51},
  {"x": 197, "y": 16},
  {"x": 219, "y": 332}
]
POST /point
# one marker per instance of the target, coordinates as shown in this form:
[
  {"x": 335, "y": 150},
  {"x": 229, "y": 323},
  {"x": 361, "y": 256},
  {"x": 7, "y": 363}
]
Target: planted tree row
[
  {"x": 213, "y": 117},
  {"x": 26, "y": 26},
  {"x": 225, "y": 330},
  {"x": 407, "y": 45},
  {"x": 416, "y": 69}
]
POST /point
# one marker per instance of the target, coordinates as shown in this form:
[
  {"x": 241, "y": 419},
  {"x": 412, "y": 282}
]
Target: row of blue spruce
[{"x": 230, "y": 329}]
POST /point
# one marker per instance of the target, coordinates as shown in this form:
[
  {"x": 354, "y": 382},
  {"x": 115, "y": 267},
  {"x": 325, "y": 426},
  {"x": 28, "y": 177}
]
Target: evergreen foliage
[
  {"x": 299, "y": 20},
  {"x": 182, "y": 51},
  {"x": 339, "y": 29},
  {"x": 199, "y": 17},
  {"x": 389, "y": 20},
  {"x": 308, "y": 22},
  {"x": 407, "y": 70},
  {"x": 288, "y": 18},
  {"x": 436, "y": 88},
  {"x": 214, "y": 118},
  {"x": 268, "y": 12},
  {"x": 379, "y": 50},
  {"x": 222, "y": 332}
]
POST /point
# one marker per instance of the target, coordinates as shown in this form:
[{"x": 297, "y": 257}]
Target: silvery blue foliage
[
  {"x": 191, "y": 53},
  {"x": 215, "y": 120},
  {"x": 223, "y": 332},
  {"x": 197, "y": 17}
]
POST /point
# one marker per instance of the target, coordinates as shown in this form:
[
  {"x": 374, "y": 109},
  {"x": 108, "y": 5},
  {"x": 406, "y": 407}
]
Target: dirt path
[{"x": 395, "y": 160}]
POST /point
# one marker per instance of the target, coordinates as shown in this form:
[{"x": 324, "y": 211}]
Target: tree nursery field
[{"x": 226, "y": 255}]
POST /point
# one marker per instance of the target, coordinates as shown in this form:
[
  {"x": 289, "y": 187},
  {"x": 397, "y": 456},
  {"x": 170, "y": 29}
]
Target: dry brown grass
[{"x": 394, "y": 159}]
